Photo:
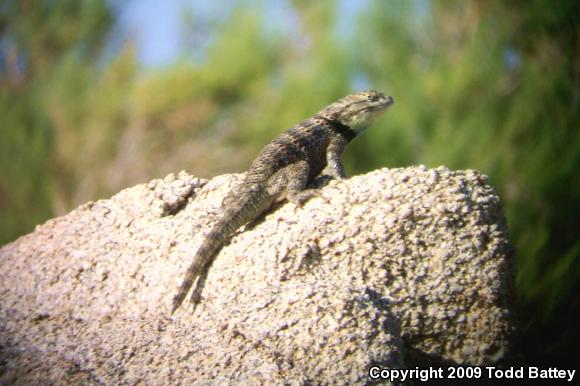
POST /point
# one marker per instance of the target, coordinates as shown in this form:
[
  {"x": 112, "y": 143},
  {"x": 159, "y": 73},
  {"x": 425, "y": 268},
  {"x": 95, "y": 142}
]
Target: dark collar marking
[{"x": 342, "y": 129}]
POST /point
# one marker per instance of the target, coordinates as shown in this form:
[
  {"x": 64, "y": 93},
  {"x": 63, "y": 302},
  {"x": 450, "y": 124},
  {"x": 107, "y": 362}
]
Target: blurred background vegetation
[{"x": 486, "y": 85}]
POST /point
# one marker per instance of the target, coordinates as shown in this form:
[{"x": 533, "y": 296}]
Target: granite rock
[{"x": 394, "y": 267}]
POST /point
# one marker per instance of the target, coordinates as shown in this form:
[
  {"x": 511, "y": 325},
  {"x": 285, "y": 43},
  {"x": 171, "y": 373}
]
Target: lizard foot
[
  {"x": 299, "y": 198},
  {"x": 195, "y": 297}
]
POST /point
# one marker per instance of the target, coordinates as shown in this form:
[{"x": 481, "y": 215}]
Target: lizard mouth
[
  {"x": 387, "y": 102},
  {"x": 378, "y": 106}
]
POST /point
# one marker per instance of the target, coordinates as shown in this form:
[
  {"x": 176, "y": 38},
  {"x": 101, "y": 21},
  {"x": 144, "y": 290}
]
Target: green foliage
[
  {"x": 488, "y": 85},
  {"x": 47, "y": 52},
  {"x": 25, "y": 188},
  {"x": 493, "y": 87}
]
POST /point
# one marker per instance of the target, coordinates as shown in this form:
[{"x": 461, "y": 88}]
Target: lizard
[{"x": 282, "y": 171}]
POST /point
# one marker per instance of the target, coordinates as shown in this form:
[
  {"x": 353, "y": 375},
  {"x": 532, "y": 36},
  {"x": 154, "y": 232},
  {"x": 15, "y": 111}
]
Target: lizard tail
[
  {"x": 203, "y": 258},
  {"x": 250, "y": 208}
]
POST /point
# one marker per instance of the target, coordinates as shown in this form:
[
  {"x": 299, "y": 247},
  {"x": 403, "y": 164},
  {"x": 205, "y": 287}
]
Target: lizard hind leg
[
  {"x": 195, "y": 297},
  {"x": 290, "y": 183},
  {"x": 199, "y": 269}
]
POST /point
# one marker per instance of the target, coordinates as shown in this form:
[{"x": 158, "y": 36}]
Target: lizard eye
[{"x": 373, "y": 97}]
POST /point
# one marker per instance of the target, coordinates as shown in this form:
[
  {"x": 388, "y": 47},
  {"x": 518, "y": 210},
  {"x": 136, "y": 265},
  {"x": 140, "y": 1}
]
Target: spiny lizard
[{"x": 283, "y": 169}]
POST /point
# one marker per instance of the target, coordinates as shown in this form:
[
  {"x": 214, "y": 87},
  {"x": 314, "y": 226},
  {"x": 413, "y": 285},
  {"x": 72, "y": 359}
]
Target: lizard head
[{"x": 358, "y": 111}]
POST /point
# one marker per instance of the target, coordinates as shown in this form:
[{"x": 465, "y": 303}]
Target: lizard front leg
[{"x": 334, "y": 166}]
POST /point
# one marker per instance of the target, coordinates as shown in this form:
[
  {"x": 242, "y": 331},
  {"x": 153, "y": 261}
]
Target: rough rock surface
[{"x": 393, "y": 266}]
